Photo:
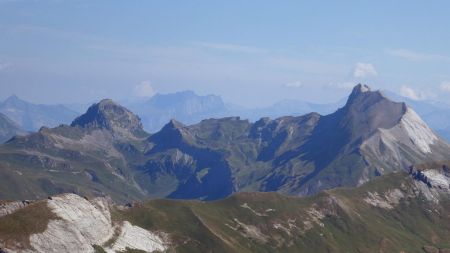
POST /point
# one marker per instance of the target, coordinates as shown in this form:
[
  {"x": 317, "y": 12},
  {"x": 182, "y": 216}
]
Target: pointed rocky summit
[{"x": 111, "y": 116}]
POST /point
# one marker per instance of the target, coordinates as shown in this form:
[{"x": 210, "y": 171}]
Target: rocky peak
[
  {"x": 15, "y": 101},
  {"x": 173, "y": 124},
  {"x": 367, "y": 111},
  {"x": 108, "y": 115},
  {"x": 361, "y": 88},
  {"x": 13, "y": 97},
  {"x": 174, "y": 127},
  {"x": 171, "y": 135},
  {"x": 362, "y": 93}
]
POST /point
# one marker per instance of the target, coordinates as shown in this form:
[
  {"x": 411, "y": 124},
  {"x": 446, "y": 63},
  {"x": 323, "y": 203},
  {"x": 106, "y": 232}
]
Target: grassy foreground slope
[
  {"x": 398, "y": 212},
  {"x": 394, "y": 213}
]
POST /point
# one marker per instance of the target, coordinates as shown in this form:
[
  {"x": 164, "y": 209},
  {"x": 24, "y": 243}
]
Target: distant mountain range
[
  {"x": 190, "y": 108},
  {"x": 31, "y": 116},
  {"x": 107, "y": 151},
  {"x": 185, "y": 106}
]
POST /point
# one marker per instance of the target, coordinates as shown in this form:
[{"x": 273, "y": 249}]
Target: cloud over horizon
[
  {"x": 144, "y": 90},
  {"x": 415, "y": 94},
  {"x": 364, "y": 70}
]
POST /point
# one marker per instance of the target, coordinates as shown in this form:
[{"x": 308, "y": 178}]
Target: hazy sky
[{"x": 250, "y": 52}]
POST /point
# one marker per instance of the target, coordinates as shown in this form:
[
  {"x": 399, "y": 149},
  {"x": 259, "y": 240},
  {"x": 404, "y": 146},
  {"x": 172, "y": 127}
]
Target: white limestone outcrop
[{"x": 81, "y": 223}]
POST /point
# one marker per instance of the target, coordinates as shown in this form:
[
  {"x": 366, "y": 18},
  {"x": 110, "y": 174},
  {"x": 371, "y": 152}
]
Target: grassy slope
[
  {"x": 333, "y": 221},
  {"x": 348, "y": 225},
  {"x": 33, "y": 167},
  {"x": 18, "y": 226}
]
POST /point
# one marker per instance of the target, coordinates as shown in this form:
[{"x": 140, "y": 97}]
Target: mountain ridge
[
  {"x": 303, "y": 155},
  {"x": 31, "y": 116}
]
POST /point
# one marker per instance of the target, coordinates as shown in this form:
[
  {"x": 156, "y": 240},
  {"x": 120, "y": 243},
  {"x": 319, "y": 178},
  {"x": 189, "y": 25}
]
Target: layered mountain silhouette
[
  {"x": 31, "y": 116},
  {"x": 107, "y": 152},
  {"x": 185, "y": 106},
  {"x": 8, "y": 128},
  {"x": 190, "y": 108}
]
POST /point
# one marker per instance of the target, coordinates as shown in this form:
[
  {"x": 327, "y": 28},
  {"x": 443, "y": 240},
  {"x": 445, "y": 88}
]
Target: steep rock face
[
  {"x": 409, "y": 142},
  {"x": 366, "y": 111},
  {"x": 334, "y": 146}
]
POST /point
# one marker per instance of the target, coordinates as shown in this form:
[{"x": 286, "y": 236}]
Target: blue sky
[{"x": 252, "y": 53}]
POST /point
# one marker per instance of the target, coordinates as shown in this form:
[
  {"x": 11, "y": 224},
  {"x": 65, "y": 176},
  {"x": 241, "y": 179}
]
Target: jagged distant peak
[
  {"x": 14, "y": 100},
  {"x": 13, "y": 97}
]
